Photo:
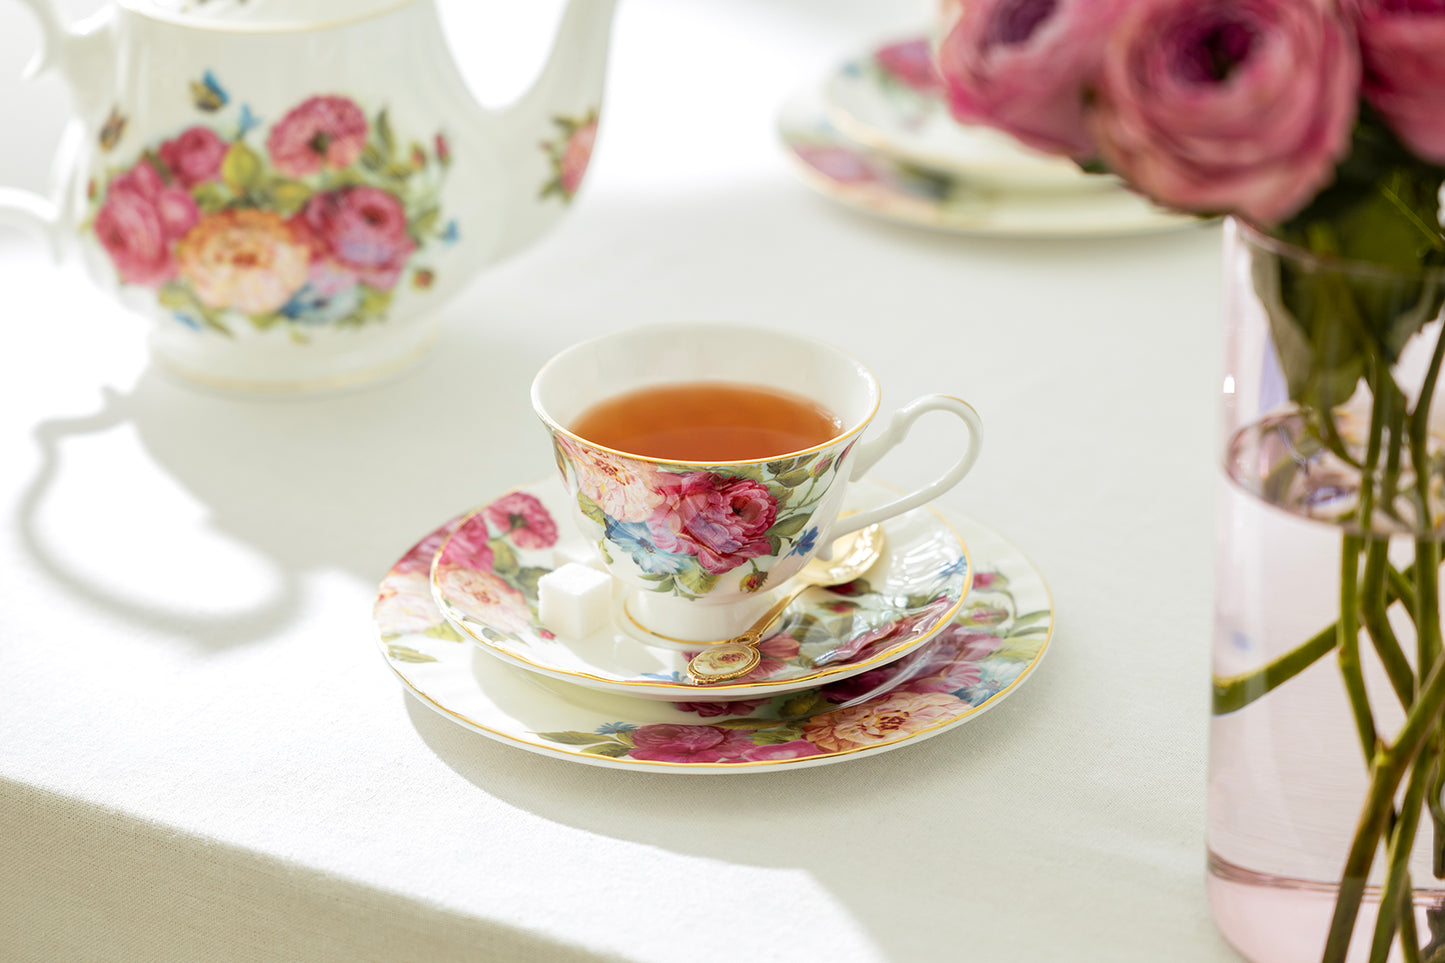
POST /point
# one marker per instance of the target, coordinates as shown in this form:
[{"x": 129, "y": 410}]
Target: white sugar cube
[{"x": 574, "y": 600}]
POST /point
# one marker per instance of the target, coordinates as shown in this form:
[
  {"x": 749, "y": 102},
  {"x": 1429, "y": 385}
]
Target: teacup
[{"x": 701, "y": 544}]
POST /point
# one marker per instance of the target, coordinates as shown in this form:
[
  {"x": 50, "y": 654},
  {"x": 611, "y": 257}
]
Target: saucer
[
  {"x": 890, "y": 100},
  {"x": 994, "y": 643},
  {"x": 484, "y": 580},
  {"x": 882, "y": 184}
]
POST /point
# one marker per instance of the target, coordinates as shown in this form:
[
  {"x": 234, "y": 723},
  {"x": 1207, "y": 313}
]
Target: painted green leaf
[
  {"x": 211, "y": 197},
  {"x": 401, "y": 653},
  {"x": 372, "y": 159},
  {"x": 290, "y": 196},
  {"x": 444, "y": 630},
  {"x": 241, "y": 168},
  {"x": 804, "y": 705},
  {"x": 791, "y": 525},
  {"x": 173, "y": 295},
  {"x": 614, "y": 750},
  {"x": 384, "y": 134},
  {"x": 778, "y": 467},
  {"x": 526, "y": 580},
  {"x": 374, "y": 303},
  {"x": 778, "y": 736},
  {"x": 264, "y": 321},
  {"x": 695, "y": 580},
  {"x": 794, "y": 478},
  {"x": 504, "y": 560},
  {"x": 591, "y": 509},
  {"x": 1030, "y": 617},
  {"x": 751, "y": 722},
  {"x": 570, "y": 737},
  {"x": 425, "y": 224}
]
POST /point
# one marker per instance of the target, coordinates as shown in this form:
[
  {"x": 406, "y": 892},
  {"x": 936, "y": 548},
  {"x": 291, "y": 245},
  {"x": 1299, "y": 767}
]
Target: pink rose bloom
[
  {"x": 722, "y": 520},
  {"x": 624, "y": 488},
  {"x": 1403, "y": 46},
  {"x": 139, "y": 220},
  {"x": 886, "y": 720},
  {"x": 195, "y": 156},
  {"x": 911, "y": 64},
  {"x": 420, "y": 557},
  {"x": 575, "y": 157},
  {"x": 486, "y": 598},
  {"x": 1244, "y": 106},
  {"x": 355, "y": 233},
  {"x": 672, "y": 743},
  {"x": 953, "y": 661},
  {"x": 775, "y": 653},
  {"x": 709, "y": 709},
  {"x": 1026, "y": 67},
  {"x": 244, "y": 259},
  {"x": 891, "y": 633},
  {"x": 524, "y": 519},
  {"x": 840, "y": 164},
  {"x": 325, "y": 131},
  {"x": 468, "y": 547},
  {"x": 797, "y": 749},
  {"x": 404, "y": 605}
]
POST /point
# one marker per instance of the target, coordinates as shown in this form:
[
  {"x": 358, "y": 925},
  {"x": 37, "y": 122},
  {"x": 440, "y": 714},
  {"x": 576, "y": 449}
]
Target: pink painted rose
[
  {"x": 911, "y": 64},
  {"x": 841, "y": 164},
  {"x": 486, "y": 598},
  {"x": 1243, "y": 106},
  {"x": 140, "y": 218},
  {"x": 404, "y": 604},
  {"x": 244, "y": 259},
  {"x": 709, "y": 709},
  {"x": 1402, "y": 43},
  {"x": 324, "y": 131},
  {"x": 893, "y": 633},
  {"x": 674, "y": 743},
  {"x": 576, "y": 155},
  {"x": 624, "y": 488},
  {"x": 723, "y": 520},
  {"x": 525, "y": 520},
  {"x": 797, "y": 749},
  {"x": 1026, "y": 67},
  {"x": 420, "y": 557},
  {"x": 886, "y": 720},
  {"x": 775, "y": 652},
  {"x": 468, "y": 548},
  {"x": 195, "y": 156},
  {"x": 356, "y": 234},
  {"x": 953, "y": 661}
]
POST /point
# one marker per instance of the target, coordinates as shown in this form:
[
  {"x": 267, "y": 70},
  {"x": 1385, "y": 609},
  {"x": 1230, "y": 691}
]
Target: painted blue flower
[
  {"x": 612, "y": 728},
  {"x": 310, "y": 306},
  {"x": 187, "y": 320},
  {"x": 249, "y": 121},
  {"x": 634, "y": 539},
  {"x": 450, "y": 233},
  {"x": 805, "y": 544}
]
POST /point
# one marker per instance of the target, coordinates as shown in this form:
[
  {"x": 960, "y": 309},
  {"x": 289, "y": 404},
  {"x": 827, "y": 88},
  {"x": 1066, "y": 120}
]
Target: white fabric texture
[{"x": 203, "y": 755}]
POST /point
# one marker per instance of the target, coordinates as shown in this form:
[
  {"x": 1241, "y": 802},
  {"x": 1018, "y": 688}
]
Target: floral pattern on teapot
[
  {"x": 570, "y": 155},
  {"x": 313, "y": 221}
]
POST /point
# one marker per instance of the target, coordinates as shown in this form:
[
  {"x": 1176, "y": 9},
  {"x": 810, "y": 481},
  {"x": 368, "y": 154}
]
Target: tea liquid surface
[{"x": 707, "y": 421}]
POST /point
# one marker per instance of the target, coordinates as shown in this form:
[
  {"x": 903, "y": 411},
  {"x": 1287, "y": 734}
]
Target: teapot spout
[{"x": 548, "y": 132}]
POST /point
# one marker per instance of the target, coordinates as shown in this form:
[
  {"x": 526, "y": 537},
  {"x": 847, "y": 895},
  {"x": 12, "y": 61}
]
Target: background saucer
[
  {"x": 912, "y": 193},
  {"x": 890, "y": 100},
  {"x": 993, "y": 644},
  {"x": 484, "y": 580}
]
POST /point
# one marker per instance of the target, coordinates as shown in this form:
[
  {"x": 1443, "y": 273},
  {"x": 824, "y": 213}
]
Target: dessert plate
[
  {"x": 890, "y": 99},
  {"x": 484, "y": 580},
  {"x": 897, "y": 189},
  {"x": 994, "y": 642}
]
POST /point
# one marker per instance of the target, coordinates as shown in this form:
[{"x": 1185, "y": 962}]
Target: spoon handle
[{"x": 754, "y": 633}]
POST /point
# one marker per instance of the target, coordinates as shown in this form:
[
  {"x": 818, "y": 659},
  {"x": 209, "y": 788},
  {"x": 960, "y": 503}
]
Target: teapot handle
[{"x": 29, "y": 209}]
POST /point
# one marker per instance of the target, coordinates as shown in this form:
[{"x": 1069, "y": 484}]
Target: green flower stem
[
  {"x": 1237, "y": 691},
  {"x": 1409, "y": 933},
  {"x": 1402, "y": 586},
  {"x": 1390, "y": 765},
  {"x": 1396, "y": 893},
  {"x": 1348, "y": 641},
  {"x": 1437, "y": 808},
  {"x": 1373, "y": 607}
]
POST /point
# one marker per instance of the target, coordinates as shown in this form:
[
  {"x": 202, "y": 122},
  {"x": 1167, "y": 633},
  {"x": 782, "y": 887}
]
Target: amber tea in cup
[{"x": 708, "y": 421}]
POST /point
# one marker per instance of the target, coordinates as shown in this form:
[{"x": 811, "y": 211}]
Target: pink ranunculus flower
[
  {"x": 1026, "y": 67},
  {"x": 524, "y": 520},
  {"x": 910, "y": 62},
  {"x": 626, "y": 489},
  {"x": 1402, "y": 43},
  {"x": 1240, "y": 107},
  {"x": 140, "y": 218},
  {"x": 355, "y": 233},
  {"x": 675, "y": 743},
  {"x": 468, "y": 548},
  {"x": 486, "y": 598},
  {"x": 575, "y": 157},
  {"x": 722, "y": 519},
  {"x": 882, "y": 721},
  {"x": 195, "y": 156},
  {"x": 324, "y": 131},
  {"x": 405, "y": 604}
]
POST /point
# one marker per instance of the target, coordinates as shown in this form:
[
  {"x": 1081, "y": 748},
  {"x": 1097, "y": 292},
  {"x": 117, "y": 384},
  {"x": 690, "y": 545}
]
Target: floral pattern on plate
[
  {"x": 485, "y": 580},
  {"x": 569, "y": 155},
  {"x": 992, "y": 645},
  {"x": 315, "y": 220}
]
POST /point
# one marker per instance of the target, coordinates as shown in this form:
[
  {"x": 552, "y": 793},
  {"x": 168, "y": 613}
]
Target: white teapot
[{"x": 290, "y": 189}]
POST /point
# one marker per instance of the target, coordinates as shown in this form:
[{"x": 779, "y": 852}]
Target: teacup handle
[{"x": 870, "y": 452}]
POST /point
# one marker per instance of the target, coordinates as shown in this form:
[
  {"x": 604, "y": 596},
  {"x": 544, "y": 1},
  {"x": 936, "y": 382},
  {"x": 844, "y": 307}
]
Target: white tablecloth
[{"x": 203, "y": 755}]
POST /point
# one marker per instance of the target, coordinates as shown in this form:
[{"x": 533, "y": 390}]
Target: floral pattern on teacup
[
  {"x": 569, "y": 155},
  {"x": 684, "y": 526},
  {"x": 961, "y": 670},
  {"x": 316, "y": 221}
]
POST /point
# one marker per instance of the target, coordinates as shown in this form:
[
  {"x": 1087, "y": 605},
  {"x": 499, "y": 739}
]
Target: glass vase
[{"x": 1326, "y": 835}]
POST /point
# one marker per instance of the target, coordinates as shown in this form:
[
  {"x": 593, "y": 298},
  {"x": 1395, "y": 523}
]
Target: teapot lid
[{"x": 262, "y": 14}]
